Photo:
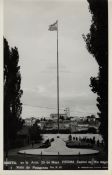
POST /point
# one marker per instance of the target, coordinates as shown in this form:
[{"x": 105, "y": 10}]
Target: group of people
[{"x": 85, "y": 141}]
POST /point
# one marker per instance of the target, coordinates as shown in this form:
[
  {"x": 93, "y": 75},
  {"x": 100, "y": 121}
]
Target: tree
[
  {"x": 12, "y": 94},
  {"x": 97, "y": 44},
  {"x": 35, "y": 133}
]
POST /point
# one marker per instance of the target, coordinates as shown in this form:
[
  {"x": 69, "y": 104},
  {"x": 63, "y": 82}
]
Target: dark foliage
[
  {"x": 35, "y": 133},
  {"x": 12, "y": 95},
  {"x": 92, "y": 130},
  {"x": 46, "y": 144},
  {"x": 97, "y": 45}
]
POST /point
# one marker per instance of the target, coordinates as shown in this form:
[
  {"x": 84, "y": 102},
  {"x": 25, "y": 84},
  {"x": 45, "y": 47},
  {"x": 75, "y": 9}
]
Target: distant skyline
[{"x": 26, "y": 24}]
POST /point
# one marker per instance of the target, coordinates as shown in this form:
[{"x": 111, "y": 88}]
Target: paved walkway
[{"x": 58, "y": 146}]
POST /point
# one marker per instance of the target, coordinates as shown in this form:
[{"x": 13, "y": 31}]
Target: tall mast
[{"x": 57, "y": 79}]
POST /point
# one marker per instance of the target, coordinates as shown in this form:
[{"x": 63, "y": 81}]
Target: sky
[{"x": 26, "y": 24}]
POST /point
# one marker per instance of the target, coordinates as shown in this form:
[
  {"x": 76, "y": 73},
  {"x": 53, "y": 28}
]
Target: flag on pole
[{"x": 54, "y": 26}]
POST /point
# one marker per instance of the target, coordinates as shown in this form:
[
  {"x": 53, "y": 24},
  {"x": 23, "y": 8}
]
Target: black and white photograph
[{"x": 55, "y": 85}]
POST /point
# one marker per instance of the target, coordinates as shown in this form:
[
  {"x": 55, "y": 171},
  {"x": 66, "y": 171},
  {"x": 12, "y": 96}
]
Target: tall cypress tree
[
  {"x": 97, "y": 44},
  {"x": 12, "y": 95}
]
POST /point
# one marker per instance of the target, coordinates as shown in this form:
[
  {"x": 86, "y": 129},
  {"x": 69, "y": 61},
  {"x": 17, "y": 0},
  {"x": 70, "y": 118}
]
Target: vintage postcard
[{"x": 56, "y": 113}]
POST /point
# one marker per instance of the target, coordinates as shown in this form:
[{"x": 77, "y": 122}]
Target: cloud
[
  {"x": 80, "y": 104},
  {"x": 26, "y": 26}
]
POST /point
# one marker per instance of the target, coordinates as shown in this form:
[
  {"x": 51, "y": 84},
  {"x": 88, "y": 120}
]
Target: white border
[{"x": 50, "y": 172}]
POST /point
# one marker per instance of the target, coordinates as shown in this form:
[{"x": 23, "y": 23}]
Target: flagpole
[{"x": 57, "y": 78}]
